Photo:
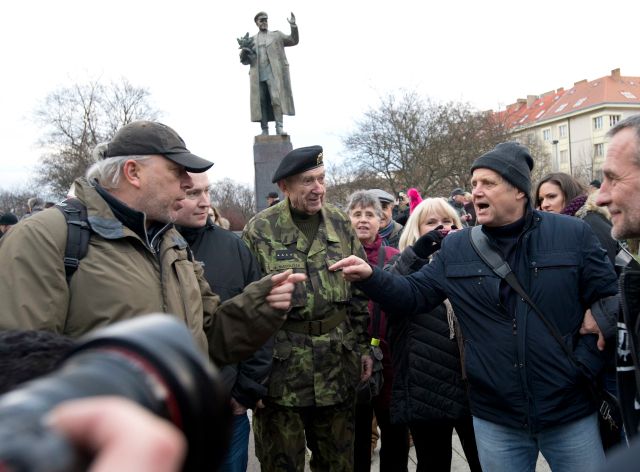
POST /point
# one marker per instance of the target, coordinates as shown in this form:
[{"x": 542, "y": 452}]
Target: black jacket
[
  {"x": 229, "y": 266},
  {"x": 518, "y": 374},
  {"x": 427, "y": 383},
  {"x": 629, "y": 349}
]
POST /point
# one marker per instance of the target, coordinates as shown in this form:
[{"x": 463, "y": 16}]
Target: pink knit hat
[{"x": 414, "y": 198}]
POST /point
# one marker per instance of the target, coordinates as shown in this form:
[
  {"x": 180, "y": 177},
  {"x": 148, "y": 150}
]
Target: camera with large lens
[{"x": 151, "y": 360}]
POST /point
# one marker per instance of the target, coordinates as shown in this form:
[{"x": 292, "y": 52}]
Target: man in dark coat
[
  {"x": 228, "y": 266},
  {"x": 620, "y": 192},
  {"x": 526, "y": 395}
]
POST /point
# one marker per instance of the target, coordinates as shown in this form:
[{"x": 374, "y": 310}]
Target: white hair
[{"x": 107, "y": 171}]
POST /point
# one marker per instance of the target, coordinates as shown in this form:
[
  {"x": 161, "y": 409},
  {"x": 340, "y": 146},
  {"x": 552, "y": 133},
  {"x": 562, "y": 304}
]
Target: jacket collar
[
  {"x": 287, "y": 232},
  {"x": 113, "y": 219}
]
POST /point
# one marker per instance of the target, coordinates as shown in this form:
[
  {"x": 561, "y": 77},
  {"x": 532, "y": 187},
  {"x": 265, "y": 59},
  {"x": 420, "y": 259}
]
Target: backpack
[{"x": 78, "y": 234}]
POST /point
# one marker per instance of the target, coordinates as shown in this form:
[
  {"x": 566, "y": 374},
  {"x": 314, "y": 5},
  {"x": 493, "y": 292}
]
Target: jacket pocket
[
  {"x": 189, "y": 293},
  {"x": 281, "y": 365},
  {"x": 555, "y": 280},
  {"x": 344, "y": 349},
  {"x": 335, "y": 288},
  {"x": 299, "y": 296},
  {"x": 474, "y": 280}
]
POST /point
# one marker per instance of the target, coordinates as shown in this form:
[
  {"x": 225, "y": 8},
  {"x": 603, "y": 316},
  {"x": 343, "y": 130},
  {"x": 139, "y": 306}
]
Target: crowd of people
[{"x": 392, "y": 297}]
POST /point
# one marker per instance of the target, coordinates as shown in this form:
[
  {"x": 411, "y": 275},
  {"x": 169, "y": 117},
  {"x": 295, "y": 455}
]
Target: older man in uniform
[{"x": 320, "y": 353}]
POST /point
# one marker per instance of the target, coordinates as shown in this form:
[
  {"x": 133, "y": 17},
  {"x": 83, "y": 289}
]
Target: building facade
[{"x": 572, "y": 124}]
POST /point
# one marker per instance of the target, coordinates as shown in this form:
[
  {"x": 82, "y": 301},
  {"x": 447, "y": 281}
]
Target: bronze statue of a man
[{"x": 271, "y": 95}]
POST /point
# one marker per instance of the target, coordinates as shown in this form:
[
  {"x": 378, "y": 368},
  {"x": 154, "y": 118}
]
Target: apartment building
[{"x": 572, "y": 124}]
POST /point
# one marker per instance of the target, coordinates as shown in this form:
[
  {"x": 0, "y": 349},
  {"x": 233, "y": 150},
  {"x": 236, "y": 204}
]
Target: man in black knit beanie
[{"x": 526, "y": 395}]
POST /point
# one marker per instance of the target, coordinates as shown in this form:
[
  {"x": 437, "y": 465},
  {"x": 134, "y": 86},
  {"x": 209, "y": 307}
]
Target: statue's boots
[{"x": 279, "y": 129}]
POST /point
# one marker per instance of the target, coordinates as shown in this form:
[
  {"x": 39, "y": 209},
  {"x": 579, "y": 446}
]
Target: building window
[
  {"x": 546, "y": 135},
  {"x": 597, "y": 122},
  {"x": 598, "y": 150},
  {"x": 564, "y": 156},
  {"x": 613, "y": 119},
  {"x": 562, "y": 131}
]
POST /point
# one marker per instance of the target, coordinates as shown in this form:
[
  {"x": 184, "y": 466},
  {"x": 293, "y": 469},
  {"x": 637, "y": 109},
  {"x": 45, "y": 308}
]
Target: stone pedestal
[{"x": 268, "y": 151}]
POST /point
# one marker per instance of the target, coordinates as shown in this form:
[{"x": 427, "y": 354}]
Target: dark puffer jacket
[
  {"x": 518, "y": 374},
  {"x": 428, "y": 381},
  {"x": 229, "y": 267}
]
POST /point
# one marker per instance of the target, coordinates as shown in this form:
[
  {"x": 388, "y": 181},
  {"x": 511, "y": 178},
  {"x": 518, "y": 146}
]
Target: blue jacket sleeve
[{"x": 419, "y": 292}]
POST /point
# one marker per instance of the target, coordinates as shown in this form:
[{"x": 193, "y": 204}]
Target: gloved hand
[{"x": 428, "y": 243}]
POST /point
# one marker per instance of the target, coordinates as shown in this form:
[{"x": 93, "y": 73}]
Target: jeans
[
  {"x": 571, "y": 447},
  {"x": 238, "y": 455}
]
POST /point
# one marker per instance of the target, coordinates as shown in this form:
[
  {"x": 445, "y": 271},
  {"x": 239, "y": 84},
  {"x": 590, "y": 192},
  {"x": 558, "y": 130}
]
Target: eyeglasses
[{"x": 196, "y": 193}]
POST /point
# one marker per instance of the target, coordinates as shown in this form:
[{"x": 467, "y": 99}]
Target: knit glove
[{"x": 428, "y": 243}]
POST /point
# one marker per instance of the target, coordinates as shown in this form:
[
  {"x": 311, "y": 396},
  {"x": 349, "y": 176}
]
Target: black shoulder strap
[
  {"x": 375, "y": 324},
  {"x": 78, "y": 234},
  {"x": 490, "y": 256}
]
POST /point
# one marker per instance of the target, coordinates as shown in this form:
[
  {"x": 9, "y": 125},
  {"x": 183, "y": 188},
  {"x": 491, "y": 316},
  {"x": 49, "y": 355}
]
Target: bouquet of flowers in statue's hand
[
  {"x": 245, "y": 42},
  {"x": 247, "y": 53}
]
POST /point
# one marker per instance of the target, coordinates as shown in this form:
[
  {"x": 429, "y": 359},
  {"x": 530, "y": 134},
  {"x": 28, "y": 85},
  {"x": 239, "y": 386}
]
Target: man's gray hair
[
  {"x": 364, "y": 199},
  {"x": 108, "y": 171},
  {"x": 35, "y": 203},
  {"x": 632, "y": 122}
]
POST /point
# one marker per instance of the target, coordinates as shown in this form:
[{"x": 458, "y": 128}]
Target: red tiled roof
[{"x": 611, "y": 89}]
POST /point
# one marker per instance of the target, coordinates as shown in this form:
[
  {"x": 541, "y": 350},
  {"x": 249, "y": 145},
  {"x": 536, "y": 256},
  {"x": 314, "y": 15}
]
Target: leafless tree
[
  {"x": 342, "y": 179},
  {"x": 15, "y": 200},
  {"x": 541, "y": 158},
  {"x": 413, "y": 142},
  {"x": 76, "y": 118},
  {"x": 234, "y": 201}
]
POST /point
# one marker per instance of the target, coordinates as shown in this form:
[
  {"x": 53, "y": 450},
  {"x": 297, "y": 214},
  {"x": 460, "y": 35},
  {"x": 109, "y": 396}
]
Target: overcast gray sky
[{"x": 350, "y": 54}]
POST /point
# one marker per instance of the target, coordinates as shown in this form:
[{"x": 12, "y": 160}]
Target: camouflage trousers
[{"x": 280, "y": 434}]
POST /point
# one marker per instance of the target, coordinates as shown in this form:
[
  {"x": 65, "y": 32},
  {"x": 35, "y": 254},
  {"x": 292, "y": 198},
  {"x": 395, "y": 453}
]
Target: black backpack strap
[{"x": 78, "y": 234}]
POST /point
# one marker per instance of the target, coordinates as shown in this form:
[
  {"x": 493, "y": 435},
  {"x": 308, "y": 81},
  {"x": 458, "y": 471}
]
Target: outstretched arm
[
  {"x": 354, "y": 269},
  {"x": 293, "y": 38}
]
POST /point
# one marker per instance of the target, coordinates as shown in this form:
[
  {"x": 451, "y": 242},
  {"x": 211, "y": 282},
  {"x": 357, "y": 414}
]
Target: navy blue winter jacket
[{"x": 519, "y": 375}]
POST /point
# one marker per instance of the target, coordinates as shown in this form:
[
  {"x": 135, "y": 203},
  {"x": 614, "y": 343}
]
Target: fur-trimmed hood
[{"x": 590, "y": 206}]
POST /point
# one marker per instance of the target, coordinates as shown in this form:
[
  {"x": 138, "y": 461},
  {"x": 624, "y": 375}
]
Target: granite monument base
[{"x": 268, "y": 151}]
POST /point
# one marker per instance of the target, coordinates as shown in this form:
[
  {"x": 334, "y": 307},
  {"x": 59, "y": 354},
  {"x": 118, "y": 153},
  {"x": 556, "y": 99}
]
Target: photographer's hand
[{"x": 121, "y": 435}]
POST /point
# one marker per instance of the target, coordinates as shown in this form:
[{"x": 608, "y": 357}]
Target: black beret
[{"x": 298, "y": 161}]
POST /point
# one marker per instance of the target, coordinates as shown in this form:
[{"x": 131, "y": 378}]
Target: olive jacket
[{"x": 121, "y": 277}]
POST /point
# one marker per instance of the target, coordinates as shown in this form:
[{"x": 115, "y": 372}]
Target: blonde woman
[{"x": 429, "y": 393}]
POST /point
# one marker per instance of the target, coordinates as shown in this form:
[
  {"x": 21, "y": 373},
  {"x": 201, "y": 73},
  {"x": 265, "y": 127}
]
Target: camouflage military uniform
[{"x": 314, "y": 376}]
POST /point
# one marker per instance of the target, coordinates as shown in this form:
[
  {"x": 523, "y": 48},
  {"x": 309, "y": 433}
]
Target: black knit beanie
[{"x": 512, "y": 161}]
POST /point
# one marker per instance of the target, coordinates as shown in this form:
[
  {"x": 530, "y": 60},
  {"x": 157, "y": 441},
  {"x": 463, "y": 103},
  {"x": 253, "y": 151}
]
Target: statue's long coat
[{"x": 276, "y": 42}]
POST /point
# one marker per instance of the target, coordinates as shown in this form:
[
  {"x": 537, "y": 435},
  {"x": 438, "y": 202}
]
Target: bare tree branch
[{"x": 75, "y": 119}]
